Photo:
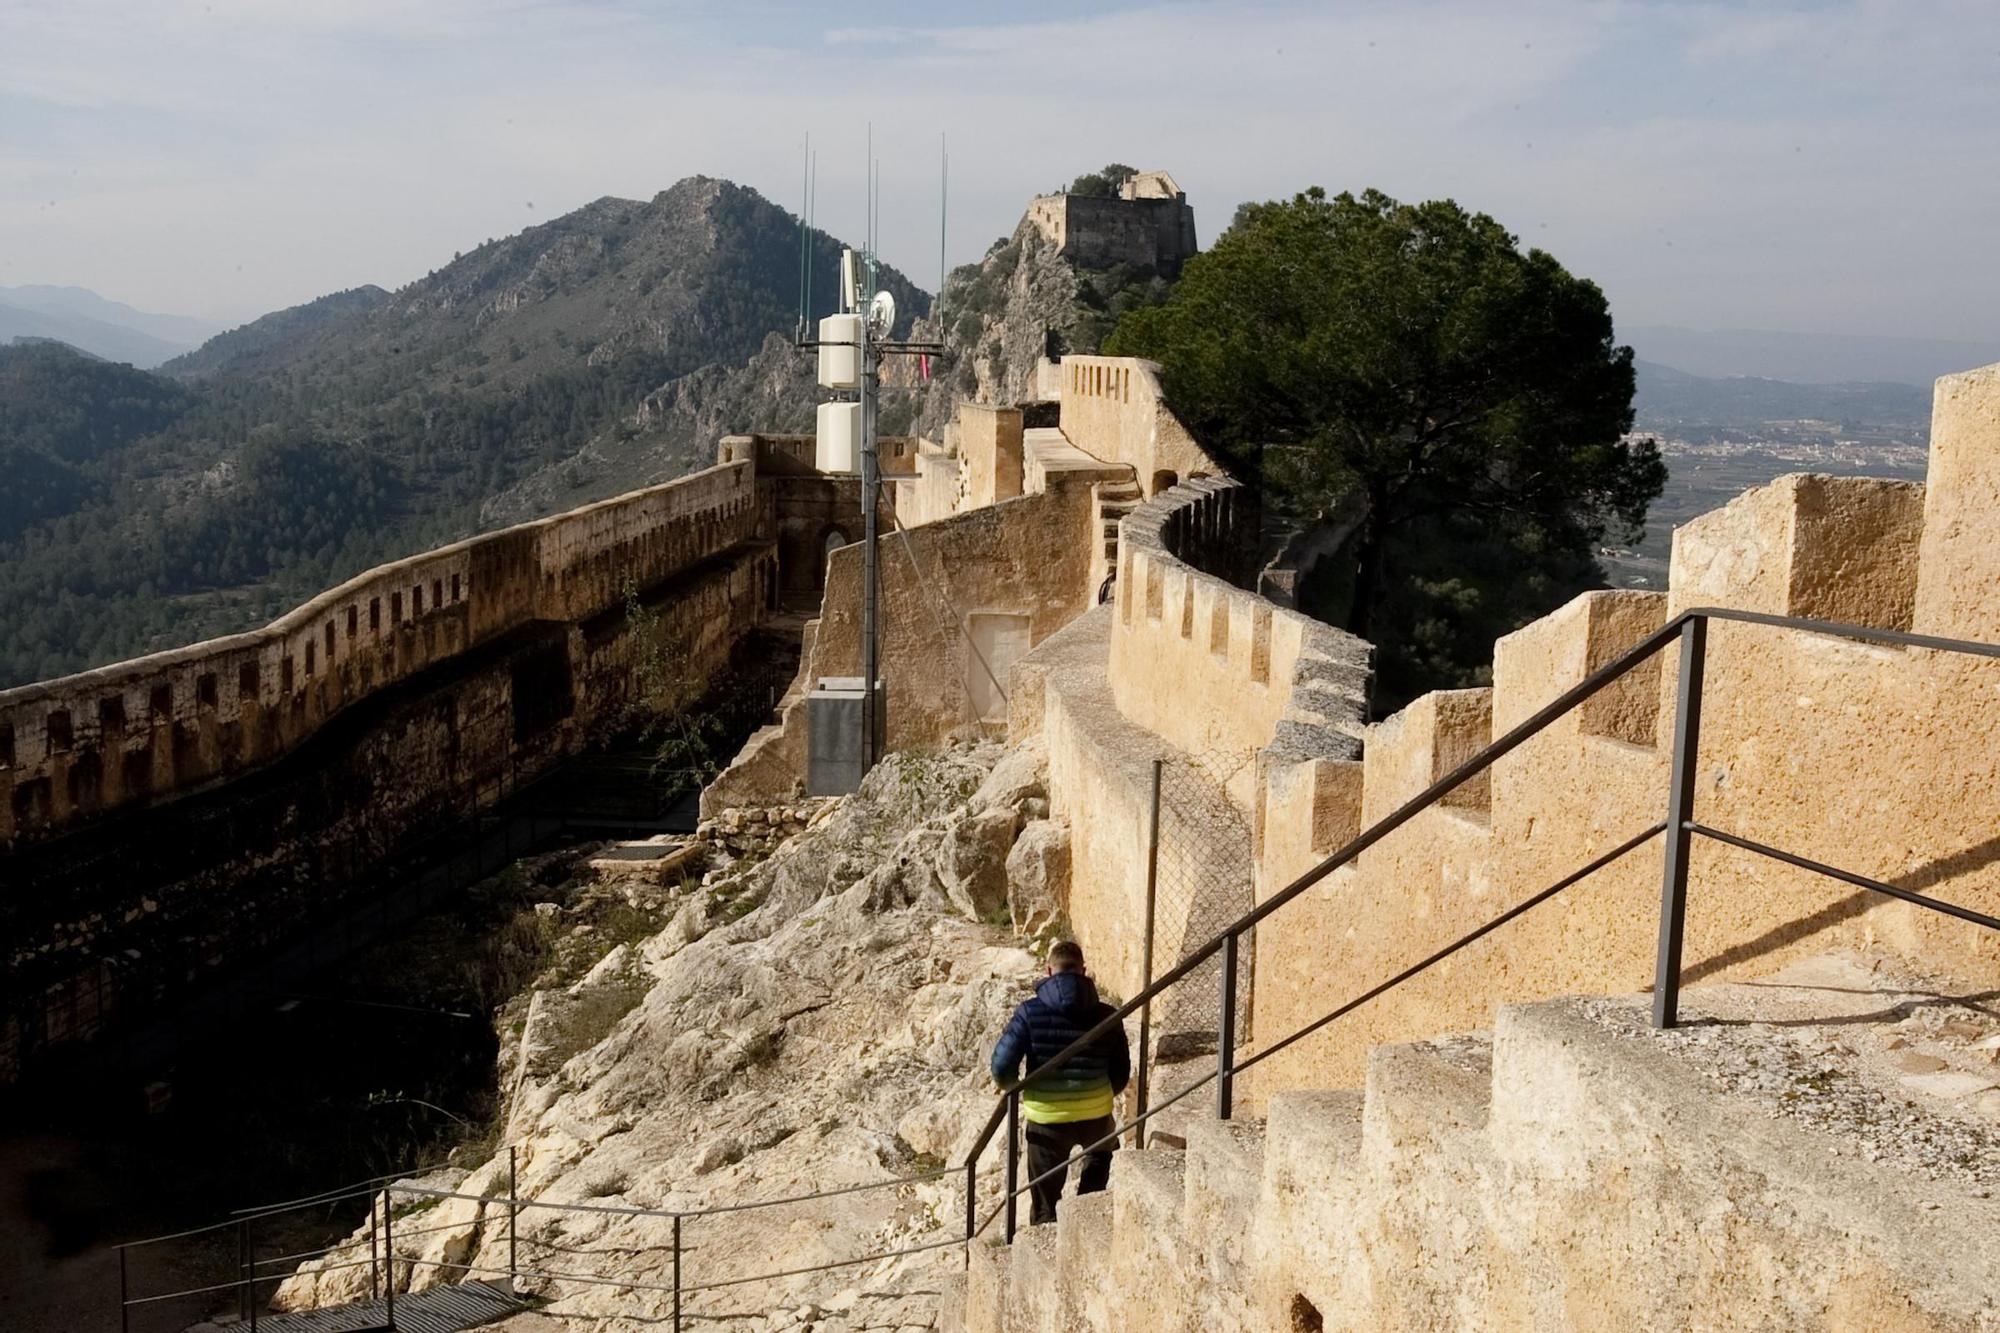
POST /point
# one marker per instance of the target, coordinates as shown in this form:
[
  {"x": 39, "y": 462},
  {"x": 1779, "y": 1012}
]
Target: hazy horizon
[{"x": 1766, "y": 167}]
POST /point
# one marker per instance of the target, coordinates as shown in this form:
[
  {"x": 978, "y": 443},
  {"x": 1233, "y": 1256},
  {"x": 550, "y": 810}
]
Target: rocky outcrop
[{"x": 814, "y": 1011}]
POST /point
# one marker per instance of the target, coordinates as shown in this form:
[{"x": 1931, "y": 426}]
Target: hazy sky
[{"x": 1829, "y": 167}]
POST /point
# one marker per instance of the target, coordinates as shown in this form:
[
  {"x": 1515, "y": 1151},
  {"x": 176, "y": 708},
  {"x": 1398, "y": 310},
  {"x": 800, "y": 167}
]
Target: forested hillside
[{"x": 155, "y": 510}]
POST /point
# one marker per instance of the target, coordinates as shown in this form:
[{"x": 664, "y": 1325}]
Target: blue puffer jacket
[{"x": 1065, "y": 1007}]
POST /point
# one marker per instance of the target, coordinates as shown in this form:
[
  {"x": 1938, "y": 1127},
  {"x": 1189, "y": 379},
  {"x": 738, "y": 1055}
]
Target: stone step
[
  {"x": 1424, "y": 1165},
  {"x": 1149, "y": 1254},
  {"x": 986, "y": 1287},
  {"x": 1224, "y": 1179},
  {"x": 1083, "y": 1256},
  {"x": 1308, "y": 1206},
  {"x": 951, "y": 1303},
  {"x": 1770, "y": 1152},
  {"x": 1034, "y": 1305}
]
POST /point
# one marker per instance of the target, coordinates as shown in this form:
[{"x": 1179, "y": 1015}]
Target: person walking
[{"x": 1068, "y": 1108}]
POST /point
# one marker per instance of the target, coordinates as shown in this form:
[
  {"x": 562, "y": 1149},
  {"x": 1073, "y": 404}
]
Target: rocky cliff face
[
  {"x": 1001, "y": 316},
  {"x": 815, "y": 1014}
]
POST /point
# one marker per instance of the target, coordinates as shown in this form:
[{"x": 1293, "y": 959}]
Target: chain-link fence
[{"x": 1199, "y": 881}]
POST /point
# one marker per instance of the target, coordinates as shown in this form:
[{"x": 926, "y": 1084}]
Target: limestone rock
[
  {"x": 1038, "y": 876},
  {"x": 1019, "y": 777},
  {"x": 972, "y": 862}
]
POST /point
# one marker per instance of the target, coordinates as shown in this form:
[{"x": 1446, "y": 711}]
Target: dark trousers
[{"x": 1049, "y": 1147}]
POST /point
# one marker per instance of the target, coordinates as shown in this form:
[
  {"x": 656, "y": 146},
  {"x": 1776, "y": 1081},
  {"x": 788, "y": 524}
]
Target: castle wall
[
  {"x": 1212, "y": 668},
  {"x": 136, "y": 733},
  {"x": 181, "y": 812},
  {"x": 1875, "y": 759},
  {"x": 1026, "y": 558},
  {"x": 1114, "y": 409}
]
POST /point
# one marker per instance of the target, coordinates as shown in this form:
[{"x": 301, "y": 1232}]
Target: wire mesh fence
[{"x": 1198, "y": 882}]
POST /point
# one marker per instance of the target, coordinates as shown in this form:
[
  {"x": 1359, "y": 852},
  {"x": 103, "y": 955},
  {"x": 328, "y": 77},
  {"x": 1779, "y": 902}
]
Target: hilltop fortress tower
[{"x": 1147, "y": 225}]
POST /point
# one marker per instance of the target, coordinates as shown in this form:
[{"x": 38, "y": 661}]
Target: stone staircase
[
  {"x": 1768, "y": 1165},
  {"x": 1115, "y": 499}
]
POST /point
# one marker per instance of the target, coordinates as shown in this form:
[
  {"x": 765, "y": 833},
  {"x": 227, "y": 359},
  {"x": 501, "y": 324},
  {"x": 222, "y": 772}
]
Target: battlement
[{"x": 151, "y": 728}]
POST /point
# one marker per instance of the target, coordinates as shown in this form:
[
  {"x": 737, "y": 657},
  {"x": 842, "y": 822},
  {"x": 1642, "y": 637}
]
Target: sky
[{"x": 1825, "y": 167}]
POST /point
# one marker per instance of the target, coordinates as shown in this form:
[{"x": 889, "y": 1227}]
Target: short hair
[{"x": 1066, "y": 956}]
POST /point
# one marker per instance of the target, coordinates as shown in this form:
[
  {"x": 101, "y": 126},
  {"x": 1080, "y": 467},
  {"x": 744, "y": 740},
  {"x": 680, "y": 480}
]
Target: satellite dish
[{"x": 881, "y": 315}]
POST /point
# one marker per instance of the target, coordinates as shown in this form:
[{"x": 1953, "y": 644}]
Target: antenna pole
[
  {"x": 871, "y": 618},
  {"x": 944, "y": 194}
]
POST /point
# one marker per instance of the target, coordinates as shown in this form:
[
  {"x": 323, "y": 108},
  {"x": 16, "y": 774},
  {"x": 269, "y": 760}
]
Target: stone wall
[
  {"x": 136, "y": 733},
  {"x": 1876, "y": 759},
  {"x": 1114, "y": 409},
  {"x": 1215, "y": 669},
  {"x": 175, "y": 814},
  {"x": 1153, "y": 229}
]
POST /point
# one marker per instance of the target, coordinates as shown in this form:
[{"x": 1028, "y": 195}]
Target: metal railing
[{"x": 1688, "y": 630}]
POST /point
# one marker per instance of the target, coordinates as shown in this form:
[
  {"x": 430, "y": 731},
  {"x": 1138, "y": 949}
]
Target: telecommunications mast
[{"x": 847, "y": 721}]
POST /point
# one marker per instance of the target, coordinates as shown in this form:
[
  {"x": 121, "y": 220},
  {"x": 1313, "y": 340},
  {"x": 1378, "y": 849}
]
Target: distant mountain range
[
  {"x": 1707, "y": 409},
  {"x": 599, "y": 351},
  {"x": 108, "y": 329},
  {"x": 1807, "y": 358}
]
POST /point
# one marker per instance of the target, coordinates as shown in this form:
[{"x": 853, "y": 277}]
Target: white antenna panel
[
  {"x": 840, "y": 352},
  {"x": 850, "y": 280},
  {"x": 839, "y": 434}
]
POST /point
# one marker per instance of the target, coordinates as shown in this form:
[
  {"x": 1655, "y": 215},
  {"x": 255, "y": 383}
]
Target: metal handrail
[{"x": 1688, "y": 628}]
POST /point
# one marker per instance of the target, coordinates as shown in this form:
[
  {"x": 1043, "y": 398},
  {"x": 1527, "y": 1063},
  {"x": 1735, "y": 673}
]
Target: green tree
[
  {"x": 1103, "y": 183},
  {"x": 1415, "y": 354}
]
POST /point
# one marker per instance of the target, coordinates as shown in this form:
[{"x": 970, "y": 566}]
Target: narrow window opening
[
  {"x": 160, "y": 703},
  {"x": 61, "y": 735},
  {"x": 246, "y": 683},
  {"x": 111, "y": 713},
  {"x": 204, "y": 690}
]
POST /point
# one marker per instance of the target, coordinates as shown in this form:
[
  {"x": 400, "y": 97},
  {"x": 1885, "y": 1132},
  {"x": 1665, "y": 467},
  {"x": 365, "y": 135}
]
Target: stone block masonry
[{"x": 163, "y": 817}]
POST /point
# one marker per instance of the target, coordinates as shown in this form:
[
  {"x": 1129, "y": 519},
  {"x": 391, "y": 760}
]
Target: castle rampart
[
  {"x": 150, "y": 729},
  {"x": 1873, "y": 758}
]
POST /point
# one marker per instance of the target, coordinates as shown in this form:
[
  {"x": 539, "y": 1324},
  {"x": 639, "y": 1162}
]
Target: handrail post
[
  {"x": 124, "y": 1296},
  {"x": 513, "y": 1211},
  {"x": 374, "y": 1265},
  {"x": 250, "y": 1270},
  {"x": 243, "y": 1266},
  {"x": 1141, "y": 1087},
  {"x": 971, "y": 1204},
  {"x": 1225, "y": 1032},
  {"x": 389, "y": 1252},
  {"x": 677, "y": 1273},
  {"x": 1680, "y": 810},
  {"x": 1013, "y": 1157}
]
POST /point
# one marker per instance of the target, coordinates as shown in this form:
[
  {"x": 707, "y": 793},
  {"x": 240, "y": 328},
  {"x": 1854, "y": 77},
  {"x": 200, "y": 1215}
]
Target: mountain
[
  {"x": 1704, "y": 409},
  {"x": 598, "y": 351},
  {"x": 277, "y": 339},
  {"x": 1808, "y": 358},
  {"x": 82, "y": 303},
  {"x": 108, "y": 341}
]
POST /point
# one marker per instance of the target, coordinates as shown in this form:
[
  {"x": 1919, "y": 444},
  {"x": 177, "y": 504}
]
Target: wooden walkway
[{"x": 439, "y": 1310}]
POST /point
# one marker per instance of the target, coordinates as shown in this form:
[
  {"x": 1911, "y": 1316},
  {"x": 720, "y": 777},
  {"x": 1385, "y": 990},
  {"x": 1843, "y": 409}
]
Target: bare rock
[
  {"x": 1020, "y": 776},
  {"x": 1038, "y": 876},
  {"x": 972, "y": 862}
]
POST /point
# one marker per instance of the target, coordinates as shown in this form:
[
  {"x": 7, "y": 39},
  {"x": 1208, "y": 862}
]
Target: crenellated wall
[
  {"x": 1877, "y": 759},
  {"x": 174, "y": 815},
  {"x": 136, "y": 733},
  {"x": 1114, "y": 409},
  {"x": 1212, "y": 667}
]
